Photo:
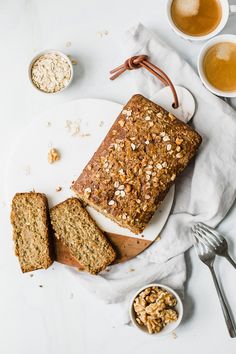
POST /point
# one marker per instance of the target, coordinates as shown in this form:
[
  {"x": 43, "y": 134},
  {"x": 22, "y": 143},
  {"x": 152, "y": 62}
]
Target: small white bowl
[
  {"x": 47, "y": 52},
  {"x": 170, "y": 326},
  {"x": 205, "y": 48}
]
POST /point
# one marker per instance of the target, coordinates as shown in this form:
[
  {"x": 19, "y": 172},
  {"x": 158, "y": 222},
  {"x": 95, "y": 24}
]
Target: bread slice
[
  {"x": 76, "y": 229},
  {"x": 30, "y": 221}
]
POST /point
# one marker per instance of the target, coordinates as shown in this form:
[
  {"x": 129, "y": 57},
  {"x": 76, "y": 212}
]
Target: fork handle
[
  {"x": 231, "y": 261},
  {"x": 226, "y": 312}
]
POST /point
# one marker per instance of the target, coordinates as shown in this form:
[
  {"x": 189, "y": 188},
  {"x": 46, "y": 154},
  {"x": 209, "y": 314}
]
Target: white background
[{"x": 60, "y": 317}]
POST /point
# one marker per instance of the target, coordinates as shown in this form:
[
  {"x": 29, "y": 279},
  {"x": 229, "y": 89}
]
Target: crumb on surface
[
  {"x": 31, "y": 275},
  {"x": 53, "y": 155},
  {"x": 68, "y": 44},
  {"x": 58, "y": 189},
  {"x": 27, "y": 170},
  {"x": 40, "y": 286},
  {"x": 101, "y": 123},
  {"x": 103, "y": 33},
  {"x": 48, "y": 124},
  {"x": 158, "y": 238},
  {"x": 174, "y": 335},
  {"x": 131, "y": 270}
]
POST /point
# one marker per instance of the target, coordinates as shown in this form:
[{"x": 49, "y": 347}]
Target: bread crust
[{"x": 137, "y": 163}]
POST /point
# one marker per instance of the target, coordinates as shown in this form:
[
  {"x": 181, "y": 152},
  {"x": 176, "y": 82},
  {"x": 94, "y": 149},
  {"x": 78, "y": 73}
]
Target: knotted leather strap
[{"x": 139, "y": 61}]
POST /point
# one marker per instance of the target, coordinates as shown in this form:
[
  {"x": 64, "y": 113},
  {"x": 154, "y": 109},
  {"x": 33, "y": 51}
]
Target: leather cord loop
[{"x": 139, "y": 61}]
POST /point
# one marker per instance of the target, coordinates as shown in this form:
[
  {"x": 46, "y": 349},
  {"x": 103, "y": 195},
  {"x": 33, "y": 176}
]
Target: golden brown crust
[
  {"x": 31, "y": 234},
  {"x": 73, "y": 225},
  {"x": 136, "y": 164}
]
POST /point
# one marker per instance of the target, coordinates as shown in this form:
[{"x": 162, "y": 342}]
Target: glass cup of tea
[
  {"x": 198, "y": 20},
  {"x": 217, "y": 65}
]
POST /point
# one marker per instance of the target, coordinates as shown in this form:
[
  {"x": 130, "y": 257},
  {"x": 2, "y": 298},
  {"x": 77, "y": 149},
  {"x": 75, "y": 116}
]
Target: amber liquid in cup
[
  {"x": 196, "y": 17},
  {"x": 219, "y": 65}
]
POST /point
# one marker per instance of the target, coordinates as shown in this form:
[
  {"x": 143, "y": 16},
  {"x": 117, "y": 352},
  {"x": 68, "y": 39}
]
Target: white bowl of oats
[
  {"x": 51, "y": 71},
  {"x": 156, "y": 309}
]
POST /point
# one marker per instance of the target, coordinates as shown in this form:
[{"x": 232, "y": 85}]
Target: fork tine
[
  {"x": 207, "y": 239},
  {"x": 203, "y": 240},
  {"x": 218, "y": 237},
  {"x": 208, "y": 235}
]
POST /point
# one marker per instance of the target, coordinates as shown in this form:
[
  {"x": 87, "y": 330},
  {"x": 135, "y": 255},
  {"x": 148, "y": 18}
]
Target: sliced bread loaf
[
  {"x": 30, "y": 221},
  {"x": 76, "y": 229}
]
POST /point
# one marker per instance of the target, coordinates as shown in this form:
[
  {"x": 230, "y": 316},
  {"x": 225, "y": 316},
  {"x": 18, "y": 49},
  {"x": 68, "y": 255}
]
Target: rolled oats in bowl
[
  {"x": 51, "y": 71},
  {"x": 156, "y": 309}
]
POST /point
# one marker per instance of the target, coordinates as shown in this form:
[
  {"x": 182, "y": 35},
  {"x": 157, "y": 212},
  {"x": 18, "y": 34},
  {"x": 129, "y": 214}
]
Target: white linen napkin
[{"x": 205, "y": 191}]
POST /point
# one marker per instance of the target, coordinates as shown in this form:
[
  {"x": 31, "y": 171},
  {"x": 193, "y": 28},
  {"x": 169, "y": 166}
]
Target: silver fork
[
  {"x": 208, "y": 258},
  {"x": 213, "y": 240}
]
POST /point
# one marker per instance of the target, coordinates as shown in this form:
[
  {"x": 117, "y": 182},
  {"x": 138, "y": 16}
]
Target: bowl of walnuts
[{"x": 156, "y": 309}]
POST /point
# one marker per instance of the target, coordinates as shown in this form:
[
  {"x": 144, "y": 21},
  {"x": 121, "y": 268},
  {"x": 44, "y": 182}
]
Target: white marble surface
[{"x": 59, "y": 317}]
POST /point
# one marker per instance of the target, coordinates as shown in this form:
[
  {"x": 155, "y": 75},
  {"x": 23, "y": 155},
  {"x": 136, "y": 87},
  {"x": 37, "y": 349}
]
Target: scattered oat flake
[
  {"x": 168, "y": 147},
  {"x": 111, "y": 202}
]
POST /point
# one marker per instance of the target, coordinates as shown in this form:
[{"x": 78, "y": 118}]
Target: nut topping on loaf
[{"x": 138, "y": 161}]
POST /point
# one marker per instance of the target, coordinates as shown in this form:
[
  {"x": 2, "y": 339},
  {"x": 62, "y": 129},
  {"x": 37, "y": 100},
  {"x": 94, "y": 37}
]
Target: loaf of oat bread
[
  {"x": 136, "y": 164},
  {"x": 30, "y": 221},
  {"x": 76, "y": 229}
]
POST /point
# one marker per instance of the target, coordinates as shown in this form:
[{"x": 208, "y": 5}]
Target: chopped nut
[
  {"x": 178, "y": 141},
  {"x": 133, "y": 146},
  {"x": 111, "y": 202},
  {"x": 162, "y": 134},
  {"x": 147, "y": 142},
  {"x": 53, "y": 155},
  {"x": 178, "y": 148},
  {"x": 173, "y": 177},
  {"x": 179, "y": 155},
  {"x": 172, "y": 117},
  {"x": 121, "y": 123},
  {"x": 128, "y": 188},
  {"x": 147, "y": 118},
  {"x": 121, "y": 187},
  {"x": 147, "y": 197},
  {"x": 154, "y": 309},
  {"x": 159, "y": 166},
  {"x": 116, "y": 184}
]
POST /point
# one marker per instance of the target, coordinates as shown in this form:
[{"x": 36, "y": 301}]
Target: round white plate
[{"x": 29, "y": 169}]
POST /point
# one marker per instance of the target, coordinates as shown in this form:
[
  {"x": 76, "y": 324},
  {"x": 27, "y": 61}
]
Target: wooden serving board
[{"x": 126, "y": 248}]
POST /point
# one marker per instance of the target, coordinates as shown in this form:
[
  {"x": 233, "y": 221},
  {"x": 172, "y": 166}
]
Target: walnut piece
[
  {"x": 53, "y": 155},
  {"x": 154, "y": 309}
]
